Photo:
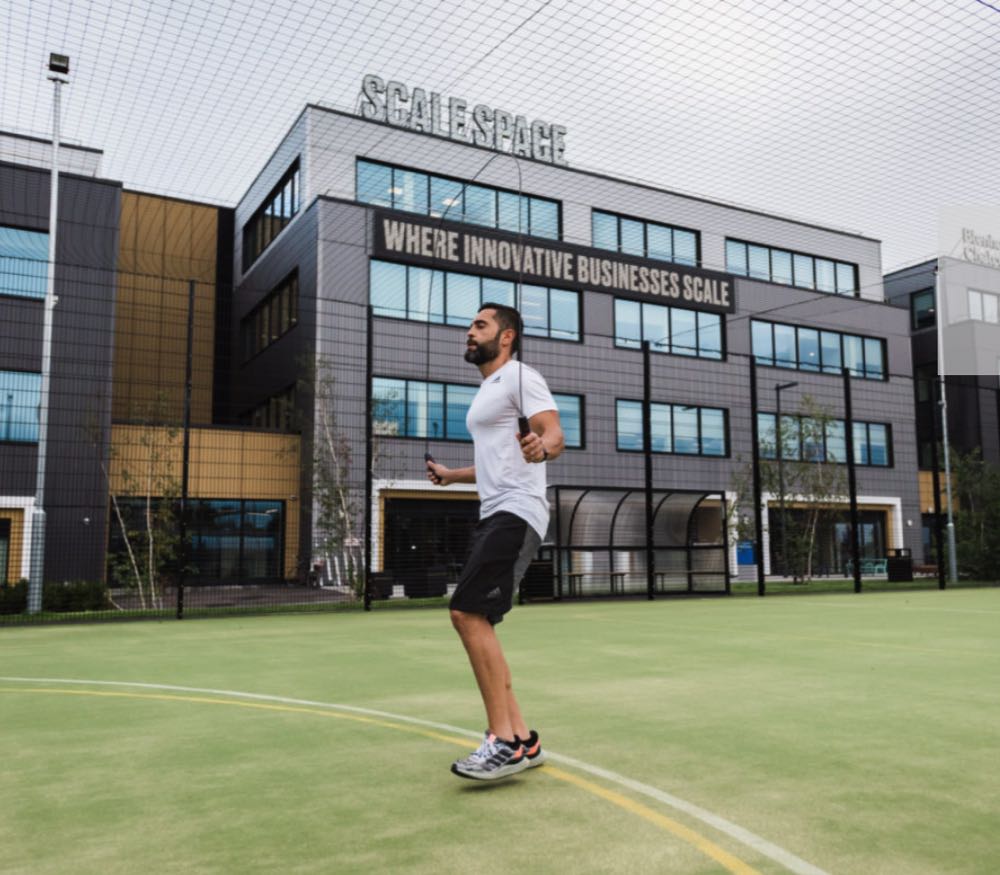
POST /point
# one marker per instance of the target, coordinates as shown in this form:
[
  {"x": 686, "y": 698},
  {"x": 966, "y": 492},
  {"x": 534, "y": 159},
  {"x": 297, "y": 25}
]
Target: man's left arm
[{"x": 545, "y": 441}]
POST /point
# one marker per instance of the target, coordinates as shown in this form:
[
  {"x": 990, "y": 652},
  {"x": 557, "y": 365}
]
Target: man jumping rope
[{"x": 513, "y": 517}]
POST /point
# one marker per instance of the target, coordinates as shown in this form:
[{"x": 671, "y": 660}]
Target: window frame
[
  {"x": 795, "y": 256},
  {"x": 727, "y": 442},
  {"x": 524, "y": 203},
  {"x": 697, "y": 349},
  {"x": 772, "y": 362},
  {"x": 857, "y": 423},
  {"x": 618, "y": 217},
  {"x": 254, "y": 228}
]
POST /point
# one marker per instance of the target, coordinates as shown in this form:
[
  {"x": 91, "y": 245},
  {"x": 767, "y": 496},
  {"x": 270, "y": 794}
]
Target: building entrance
[{"x": 427, "y": 535}]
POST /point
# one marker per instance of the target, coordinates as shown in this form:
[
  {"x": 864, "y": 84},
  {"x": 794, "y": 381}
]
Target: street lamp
[
  {"x": 58, "y": 68},
  {"x": 778, "y": 389}
]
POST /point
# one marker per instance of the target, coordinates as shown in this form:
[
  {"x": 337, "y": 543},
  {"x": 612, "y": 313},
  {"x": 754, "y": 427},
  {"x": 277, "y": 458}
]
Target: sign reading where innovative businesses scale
[{"x": 451, "y": 246}]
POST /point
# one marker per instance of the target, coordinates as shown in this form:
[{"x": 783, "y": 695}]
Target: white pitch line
[{"x": 734, "y": 831}]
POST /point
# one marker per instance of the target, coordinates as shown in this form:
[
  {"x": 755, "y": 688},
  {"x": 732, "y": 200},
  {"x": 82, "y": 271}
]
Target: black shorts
[{"x": 502, "y": 546}]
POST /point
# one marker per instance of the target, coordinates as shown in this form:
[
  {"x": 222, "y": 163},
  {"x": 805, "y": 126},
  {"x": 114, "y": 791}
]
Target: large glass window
[
  {"x": 642, "y": 238},
  {"x": 421, "y": 294},
  {"x": 20, "y": 397},
  {"x": 675, "y": 428},
  {"x": 789, "y": 346},
  {"x": 668, "y": 329},
  {"x": 231, "y": 539},
  {"x": 415, "y": 408},
  {"x": 812, "y": 440},
  {"x": 790, "y": 268},
  {"x": 274, "y": 214},
  {"x": 24, "y": 262},
  {"x": 386, "y": 185}
]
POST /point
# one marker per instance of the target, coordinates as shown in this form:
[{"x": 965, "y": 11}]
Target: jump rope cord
[{"x": 523, "y": 427}]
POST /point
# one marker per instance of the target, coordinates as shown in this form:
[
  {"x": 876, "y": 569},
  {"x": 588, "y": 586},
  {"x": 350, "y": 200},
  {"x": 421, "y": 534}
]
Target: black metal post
[
  {"x": 780, "y": 449},
  {"x": 647, "y": 442},
  {"x": 936, "y": 484},
  {"x": 369, "y": 327},
  {"x": 186, "y": 461},
  {"x": 758, "y": 516},
  {"x": 558, "y": 553},
  {"x": 852, "y": 483}
]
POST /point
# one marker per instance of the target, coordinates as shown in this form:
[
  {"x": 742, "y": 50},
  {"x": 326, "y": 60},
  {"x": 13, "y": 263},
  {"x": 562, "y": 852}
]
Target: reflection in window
[
  {"x": 20, "y": 397},
  {"x": 816, "y": 441},
  {"x": 642, "y": 238},
  {"x": 272, "y": 216},
  {"x": 385, "y": 185},
  {"x": 788, "y": 346},
  {"x": 24, "y": 262},
  {"x": 421, "y": 294},
  {"x": 668, "y": 329},
  {"x": 790, "y": 268},
  {"x": 675, "y": 428}
]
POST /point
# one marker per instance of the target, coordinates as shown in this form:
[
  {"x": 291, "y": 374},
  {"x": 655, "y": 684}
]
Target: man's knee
[{"x": 465, "y": 622}]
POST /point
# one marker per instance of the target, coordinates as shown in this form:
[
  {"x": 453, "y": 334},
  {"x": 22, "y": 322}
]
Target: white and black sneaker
[{"x": 494, "y": 759}]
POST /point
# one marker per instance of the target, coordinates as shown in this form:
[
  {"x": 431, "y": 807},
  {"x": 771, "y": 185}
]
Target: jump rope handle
[
  {"x": 522, "y": 426},
  {"x": 429, "y": 458}
]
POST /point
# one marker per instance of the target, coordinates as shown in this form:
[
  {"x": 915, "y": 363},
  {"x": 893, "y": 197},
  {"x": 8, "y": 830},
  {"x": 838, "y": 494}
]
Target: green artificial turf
[{"x": 860, "y": 733}]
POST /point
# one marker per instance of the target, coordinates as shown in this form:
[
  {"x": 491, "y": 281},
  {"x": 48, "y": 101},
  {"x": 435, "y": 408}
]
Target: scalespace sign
[
  {"x": 451, "y": 246},
  {"x": 483, "y": 125}
]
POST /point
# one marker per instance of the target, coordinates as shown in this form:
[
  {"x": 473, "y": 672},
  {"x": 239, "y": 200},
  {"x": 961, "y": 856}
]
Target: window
[
  {"x": 420, "y": 294},
  {"x": 24, "y": 262},
  {"x": 230, "y": 538},
  {"x": 571, "y": 418},
  {"x": 806, "y": 349},
  {"x": 386, "y": 185},
  {"x": 675, "y": 428},
  {"x": 276, "y": 413},
  {"x": 922, "y": 309},
  {"x": 414, "y": 408},
  {"x": 791, "y": 268},
  {"x": 668, "y": 329},
  {"x": 813, "y": 440},
  {"x": 645, "y": 239},
  {"x": 20, "y": 398},
  {"x": 272, "y": 216},
  {"x": 272, "y": 318},
  {"x": 983, "y": 306}
]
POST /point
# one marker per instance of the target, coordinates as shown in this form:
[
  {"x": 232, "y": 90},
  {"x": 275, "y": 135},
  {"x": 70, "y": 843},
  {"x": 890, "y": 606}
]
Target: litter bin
[{"x": 899, "y": 565}]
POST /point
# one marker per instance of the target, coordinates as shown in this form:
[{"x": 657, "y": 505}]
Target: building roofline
[
  {"x": 598, "y": 175},
  {"x": 103, "y": 180},
  {"x": 62, "y": 143},
  {"x": 911, "y": 268},
  {"x": 168, "y": 197}
]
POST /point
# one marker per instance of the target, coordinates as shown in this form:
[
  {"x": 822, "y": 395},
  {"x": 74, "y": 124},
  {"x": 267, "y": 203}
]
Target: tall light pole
[
  {"x": 58, "y": 68},
  {"x": 938, "y": 316},
  {"x": 778, "y": 388}
]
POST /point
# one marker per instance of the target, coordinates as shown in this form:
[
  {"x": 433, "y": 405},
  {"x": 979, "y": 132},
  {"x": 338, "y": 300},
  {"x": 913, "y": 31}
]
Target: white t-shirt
[{"x": 506, "y": 482}]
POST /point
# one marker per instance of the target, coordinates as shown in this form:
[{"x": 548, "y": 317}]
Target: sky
[{"x": 864, "y": 116}]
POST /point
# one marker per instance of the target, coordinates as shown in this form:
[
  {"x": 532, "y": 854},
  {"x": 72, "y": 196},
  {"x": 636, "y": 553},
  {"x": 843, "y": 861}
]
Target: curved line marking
[{"x": 744, "y": 836}]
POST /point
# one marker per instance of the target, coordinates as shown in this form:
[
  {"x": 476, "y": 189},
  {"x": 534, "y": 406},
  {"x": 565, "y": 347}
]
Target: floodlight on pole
[
  {"x": 778, "y": 389},
  {"x": 59, "y": 68}
]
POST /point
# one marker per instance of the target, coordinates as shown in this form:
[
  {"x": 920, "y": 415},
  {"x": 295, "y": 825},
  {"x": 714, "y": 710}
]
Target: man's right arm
[{"x": 442, "y": 476}]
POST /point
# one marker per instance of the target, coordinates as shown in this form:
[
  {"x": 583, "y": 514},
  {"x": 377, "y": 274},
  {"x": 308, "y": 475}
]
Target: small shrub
[
  {"x": 14, "y": 597},
  {"x": 74, "y": 595}
]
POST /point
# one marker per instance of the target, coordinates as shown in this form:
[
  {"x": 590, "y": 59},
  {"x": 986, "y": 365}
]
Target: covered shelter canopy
[{"x": 598, "y": 540}]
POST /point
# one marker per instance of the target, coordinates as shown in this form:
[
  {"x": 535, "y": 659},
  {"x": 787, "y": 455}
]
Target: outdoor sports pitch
[{"x": 835, "y": 733}]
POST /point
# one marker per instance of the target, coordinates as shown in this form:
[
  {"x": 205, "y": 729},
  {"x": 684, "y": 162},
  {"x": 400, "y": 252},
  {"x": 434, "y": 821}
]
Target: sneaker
[
  {"x": 494, "y": 759},
  {"x": 533, "y": 750},
  {"x": 481, "y": 753}
]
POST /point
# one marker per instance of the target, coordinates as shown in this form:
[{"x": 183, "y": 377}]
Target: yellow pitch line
[{"x": 696, "y": 839}]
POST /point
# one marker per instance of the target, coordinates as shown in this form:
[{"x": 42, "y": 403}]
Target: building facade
[{"x": 805, "y": 299}]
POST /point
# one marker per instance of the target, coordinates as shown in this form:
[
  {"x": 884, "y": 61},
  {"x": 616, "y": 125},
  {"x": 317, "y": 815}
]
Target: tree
[
  {"x": 977, "y": 515},
  {"x": 338, "y": 490},
  {"x": 809, "y": 479},
  {"x": 144, "y": 505}
]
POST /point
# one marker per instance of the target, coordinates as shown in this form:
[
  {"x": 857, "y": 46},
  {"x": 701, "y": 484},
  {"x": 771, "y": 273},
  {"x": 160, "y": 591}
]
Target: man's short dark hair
[{"x": 507, "y": 317}]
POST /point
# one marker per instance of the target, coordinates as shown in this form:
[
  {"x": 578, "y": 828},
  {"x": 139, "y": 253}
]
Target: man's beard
[{"x": 482, "y": 353}]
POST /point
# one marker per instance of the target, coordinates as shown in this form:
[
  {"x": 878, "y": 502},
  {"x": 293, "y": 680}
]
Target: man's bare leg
[{"x": 492, "y": 674}]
